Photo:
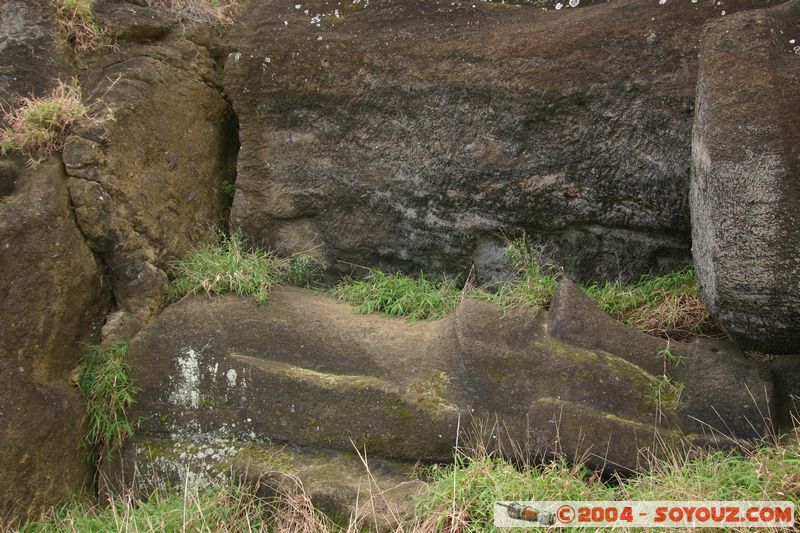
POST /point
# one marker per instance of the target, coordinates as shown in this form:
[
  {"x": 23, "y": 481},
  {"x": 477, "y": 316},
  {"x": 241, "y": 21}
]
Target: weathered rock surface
[
  {"x": 34, "y": 56},
  {"x": 52, "y": 293},
  {"x": 307, "y": 370},
  {"x": 147, "y": 185},
  {"x": 52, "y": 301},
  {"x": 376, "y": 495},
  {"x": 409, "y": 134},
  {"x": 744, "y": 193}
]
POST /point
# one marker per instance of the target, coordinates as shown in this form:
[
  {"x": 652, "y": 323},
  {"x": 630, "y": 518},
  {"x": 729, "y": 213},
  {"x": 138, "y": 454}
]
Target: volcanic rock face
[
  {"x": 52, "y": 294},
  {"x": 744, "y": 193},
  {"x": 34, "y": 54},
  {"x": 409, "y": 134},
  {"x": 52, "y": 301},
  {"x": 147, "y": 185},
  {"x": 306, "y": 370},
  {"x": 141, "y": 187}
]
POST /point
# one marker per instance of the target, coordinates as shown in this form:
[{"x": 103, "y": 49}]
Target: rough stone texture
[
  {"x": 337, "y": 483},
  {"x": 307, "y": 370},
  {"x": 52, "y": 300},
  {"x": 409, "y": 134},
  {"x": 709, "y": 368},
  {"x": 52, "y": 293},
  {"x": 147, "y": 185},
  {"x": 34, "y": 56},
  {"x": 744, "y": 192}
]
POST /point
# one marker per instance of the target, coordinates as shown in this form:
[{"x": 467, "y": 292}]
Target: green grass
[
  {"x": 666, "y": 306},
  {"x": 460, "y": 496},
  {"x": 228, "y": 265},
  {"x": 108, "y": 393},
  {"x": 221, "y": 508},
  {"x": 399, "y": 295},
  {"x": 535, "y": 281},
  {"x": 38, "y": 127}
]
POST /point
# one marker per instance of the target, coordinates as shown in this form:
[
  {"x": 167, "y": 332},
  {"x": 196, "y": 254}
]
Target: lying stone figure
[{"x": 306, "y": 370}]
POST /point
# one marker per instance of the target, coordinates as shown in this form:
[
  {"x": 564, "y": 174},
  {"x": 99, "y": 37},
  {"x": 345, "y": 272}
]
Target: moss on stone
[{"x": 329, "y": 380}]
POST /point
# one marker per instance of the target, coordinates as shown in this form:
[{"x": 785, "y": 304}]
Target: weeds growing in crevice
[
  {"x": 78, "y": 24},
  {"x": 108, "y": 394},
  {"x": 228, "y": 264},
  {"x": 666, "y": 306},
  {"x": 38, "y": 126},
  {"x": 535, "y": 281},
  {"x": 399, "y": 295}
]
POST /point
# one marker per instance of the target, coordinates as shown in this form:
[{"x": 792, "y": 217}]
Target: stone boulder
[
  {"x": 746, "y": 161},
  {"x": 410, "y": 134},
  {"x": 309, "y": 371},
  {"x": 52, "y": 292},
  {"x": 147, "y": 184},
  {"x": 52, "y": 301}
]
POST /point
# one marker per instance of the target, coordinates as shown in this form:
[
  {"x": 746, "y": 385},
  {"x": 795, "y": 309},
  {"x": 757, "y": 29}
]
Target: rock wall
[
  {"x": 147, "y": 185},
  {"x": 410, "y": 134},
  {"x": 139, "y": 189},
  {"x": 52, "y": 292},
  {"x": 52, "y": 302},
  {"x": 744, "y": 191}
]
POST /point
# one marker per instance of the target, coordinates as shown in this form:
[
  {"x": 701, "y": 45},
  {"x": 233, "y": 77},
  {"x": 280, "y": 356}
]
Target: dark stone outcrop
[
  {"x": 52, "y": 301},
  {"x": 147, "y": 184},
  {"x": 142, "y": 186},
  {"x": 307, "y": 370},
  {"x": 52, "y": 292},
  {"x": 34, "y": 56},
  {"x": 744, "y": 191},
  {"x": 409, "y": 134}
]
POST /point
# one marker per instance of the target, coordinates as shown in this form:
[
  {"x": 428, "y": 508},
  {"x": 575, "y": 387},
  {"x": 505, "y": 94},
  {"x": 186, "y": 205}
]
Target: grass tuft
[
  {"x": 108, "y": 394},
  {"x": 38, "y": 127},
  {"x": 665, "y": 306},
  {"x": 77, "y": 22},
  {"x": 399, "y": 295},
  {"x": 227, "y": 264},
  {"x": 222, "y": 507},
  {"x": 535, "y": 281},
  {"x": 460, "y": 497}
]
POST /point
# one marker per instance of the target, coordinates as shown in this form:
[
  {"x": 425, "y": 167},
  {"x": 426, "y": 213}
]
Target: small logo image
[
  {"x": 566, "y": 514},
  {"x": 519, "y": 511}
]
